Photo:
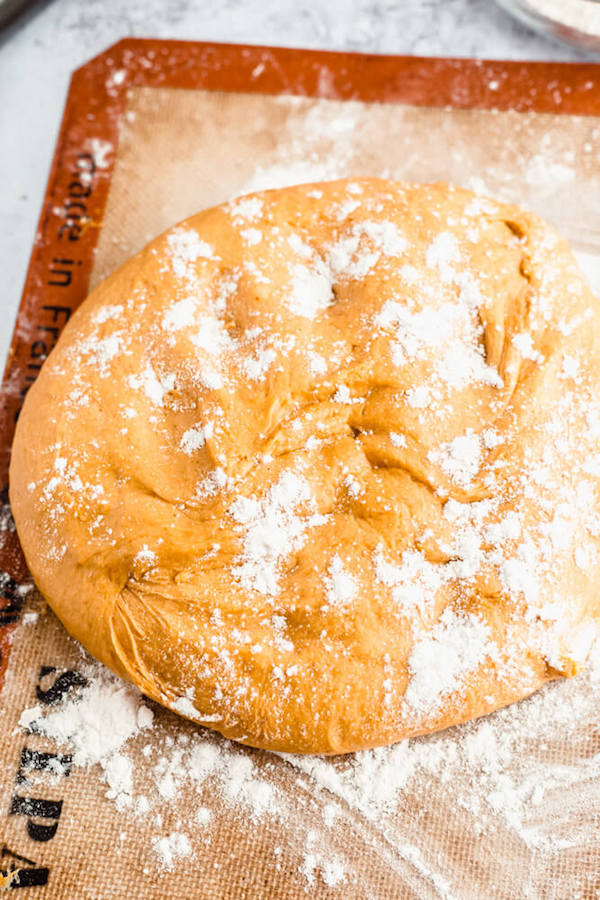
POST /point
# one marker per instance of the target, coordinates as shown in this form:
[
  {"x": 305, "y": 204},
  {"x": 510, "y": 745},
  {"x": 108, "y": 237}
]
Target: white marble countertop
[{"x": 39, "y": 51}]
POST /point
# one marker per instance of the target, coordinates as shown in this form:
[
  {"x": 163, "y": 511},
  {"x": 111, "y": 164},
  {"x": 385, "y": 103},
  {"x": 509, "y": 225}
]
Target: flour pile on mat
[
  {"x": 108, "y": 717},
  {"x": 490, "y": 768}
]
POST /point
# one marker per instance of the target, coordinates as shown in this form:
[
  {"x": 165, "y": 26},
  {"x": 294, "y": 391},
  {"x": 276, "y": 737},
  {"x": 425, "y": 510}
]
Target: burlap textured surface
[{"x": 180, "y": 151}]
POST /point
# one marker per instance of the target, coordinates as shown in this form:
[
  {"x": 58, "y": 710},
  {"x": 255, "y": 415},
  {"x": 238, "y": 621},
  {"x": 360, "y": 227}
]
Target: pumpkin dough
[{"x": 319, "y": 467}]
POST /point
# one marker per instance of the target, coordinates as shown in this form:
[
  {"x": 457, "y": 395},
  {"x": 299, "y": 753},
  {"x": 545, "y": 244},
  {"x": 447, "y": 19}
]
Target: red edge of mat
[{"x": 71, "y": 217}]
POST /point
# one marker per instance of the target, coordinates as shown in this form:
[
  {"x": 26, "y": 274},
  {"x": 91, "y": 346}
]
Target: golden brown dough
[{"x": 319, "y": 467}]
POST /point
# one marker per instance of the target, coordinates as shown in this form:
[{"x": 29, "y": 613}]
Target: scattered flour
[
  {"x": 97, "y": 724},
  {"x": 256, "y": 367},
  {"x": 460, "y": 458},
  {"x": 413, "y": 583},
  {"x": 180, "y": 314},
  {"x": 99, "y": 352},
  {"x": 438, "y": 663},
  {"x": 271, "y": 530},
  {"x": 311, "y": 290},
  {"x": 101, "y": 150},
  {"x": 398, "y": 440},
  {"x": 186, "y": 247},
  {"x": 498, "y": 775},
  {"x": 172, "y": 847},
  {"x": 154, "y": 387},
  {"x": 195, "y": 438},
  {"x": 340, "y": 586}
]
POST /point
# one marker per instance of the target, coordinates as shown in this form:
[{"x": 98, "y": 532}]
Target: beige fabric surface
[{"x": 184, "y": 150}]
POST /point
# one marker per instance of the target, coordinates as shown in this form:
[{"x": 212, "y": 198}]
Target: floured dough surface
[{"x": 319, "y": 468}]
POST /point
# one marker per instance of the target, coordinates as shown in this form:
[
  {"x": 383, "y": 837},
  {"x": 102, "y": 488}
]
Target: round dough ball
[{"x": 319, "y": 468}]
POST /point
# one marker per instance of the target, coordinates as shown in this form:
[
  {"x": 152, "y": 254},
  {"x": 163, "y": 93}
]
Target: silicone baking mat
[{"x": 152, "y": 132}]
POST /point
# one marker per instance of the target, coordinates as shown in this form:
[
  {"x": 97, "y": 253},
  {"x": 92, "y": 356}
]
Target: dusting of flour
[
  {"x": 500, "y": 772},
  {"x": 503, "y": 774}
]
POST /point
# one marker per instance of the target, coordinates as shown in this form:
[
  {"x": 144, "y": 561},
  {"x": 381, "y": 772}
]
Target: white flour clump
[
  {"x": 256, "y": 367},
  {"x": 174, "y": 846},
  {"x": 118, "y": 772},
  {"x": 271, "y": 530},
  {"x": 97, "y": 724},
  {"x": 106, "y": 715},
  {"x": 456, "y": 646},
  {"x": 310, "y": 290},
  {"x": 195, "y": 438},
  {"x": 181, "y": 314},
  {"x": 413, "y": 583},
  {"x": 333, "y": 871},
  {"x": 186, "y": 247},
  {"x": 340, "y": 586},
  {"x": 101, "y": 150},
  {"x": 154, "y": 386},
  {"x": 460, "y": 458}
]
